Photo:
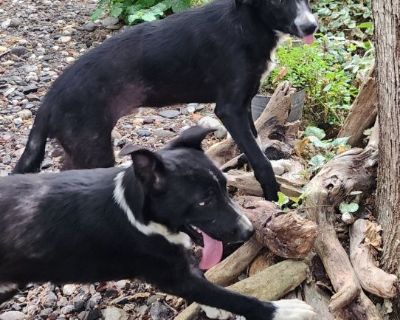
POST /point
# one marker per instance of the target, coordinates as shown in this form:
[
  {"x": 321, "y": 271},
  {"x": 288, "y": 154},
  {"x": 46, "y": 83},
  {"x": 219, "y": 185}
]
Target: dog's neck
[{"x": 129, "y": 196}]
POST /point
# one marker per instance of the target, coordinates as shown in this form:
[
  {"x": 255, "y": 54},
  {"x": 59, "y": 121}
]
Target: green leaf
[
  {"x": 314, "y": 131},
  {"x": 116, "y": 10},
  {"x": 317, "y": 162},
  {"x": 148, "y": 16},
  {"x": 340, "y": 141},
  {"x": 318, "y": 143},
  {"x": 97, "y": 13},
  {"x": 348, "y": 207},
  {"x": 282, "y": 199}
]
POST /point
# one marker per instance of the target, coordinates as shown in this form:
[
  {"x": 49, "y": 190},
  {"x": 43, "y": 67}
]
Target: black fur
[
  {"x": 216, "y": 53},
  {"x": 68, "y": 227}
]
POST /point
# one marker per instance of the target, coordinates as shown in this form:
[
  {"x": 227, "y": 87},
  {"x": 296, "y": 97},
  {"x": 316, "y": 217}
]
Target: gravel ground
[{"x": 38, "y": 39}]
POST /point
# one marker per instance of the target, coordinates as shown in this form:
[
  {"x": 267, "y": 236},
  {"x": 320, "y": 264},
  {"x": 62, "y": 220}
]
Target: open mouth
[
  {"x": 309, "y": 39},
  {"x": 212, "y": 248}
]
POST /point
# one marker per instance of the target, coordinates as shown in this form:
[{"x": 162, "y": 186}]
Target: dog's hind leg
[
  {"x": 87, "y": 152},
  {"x": 7, "y": 291}
]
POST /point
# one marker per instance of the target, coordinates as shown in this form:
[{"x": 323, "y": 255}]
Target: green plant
[{"x": 135, "y": 11}]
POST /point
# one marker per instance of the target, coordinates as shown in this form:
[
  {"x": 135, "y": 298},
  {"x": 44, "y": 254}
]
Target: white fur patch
[
  {"x": 242, "y": 220},
  {"x": 214, "y": 313},
  {"x": 304, "y": 15},
  {"x": 7, "y": 287},
  {"x": 293, "y": 309},
  {"x": 179, "y": 238}
]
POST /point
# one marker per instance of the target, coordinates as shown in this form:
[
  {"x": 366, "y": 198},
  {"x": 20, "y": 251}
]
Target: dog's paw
[
  {"x": 293, "y": 309},
  {"x": 214, "y": 313}
]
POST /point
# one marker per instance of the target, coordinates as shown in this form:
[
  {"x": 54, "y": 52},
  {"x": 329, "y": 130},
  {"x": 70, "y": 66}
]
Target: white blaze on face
[{"x": 304, "y": 16}]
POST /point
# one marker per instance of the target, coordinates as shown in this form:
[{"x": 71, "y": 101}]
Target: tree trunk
[{"x": 387, "y": 35}]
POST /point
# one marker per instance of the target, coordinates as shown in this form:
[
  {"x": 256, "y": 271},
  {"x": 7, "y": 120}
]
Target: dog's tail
[{"x": 33, "y": 154}]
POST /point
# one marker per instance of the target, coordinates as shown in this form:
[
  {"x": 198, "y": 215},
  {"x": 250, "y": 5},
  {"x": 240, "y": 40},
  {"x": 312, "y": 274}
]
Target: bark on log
[
  {"x": 270, "y": 284},
  {"x": 319, "y": 300},
  {"x": 362, "y": 256},
  {"x": 363, "y": 111},
  {"x": 271, "y": 121},
  {"x": 264, "y": 260},
  {"x": 246, "y": 183},
  {"x": 286, "y": 234},
  {"x": 353, "y": 170},
  {"x": 225, "y": 272}
]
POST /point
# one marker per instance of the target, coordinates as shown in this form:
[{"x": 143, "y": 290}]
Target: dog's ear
[
  {"x": 148, "y": 166},
  {"x": 190, "y": 138}
]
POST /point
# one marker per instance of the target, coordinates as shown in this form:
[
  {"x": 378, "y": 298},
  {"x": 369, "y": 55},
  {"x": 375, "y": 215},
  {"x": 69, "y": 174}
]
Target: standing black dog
[
  {"x": 217, "y": 53},
  {"x": 116, "y": 223}
]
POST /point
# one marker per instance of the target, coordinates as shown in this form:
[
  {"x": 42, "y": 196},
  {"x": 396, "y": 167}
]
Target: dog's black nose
[{"x": 308, "y": 28}]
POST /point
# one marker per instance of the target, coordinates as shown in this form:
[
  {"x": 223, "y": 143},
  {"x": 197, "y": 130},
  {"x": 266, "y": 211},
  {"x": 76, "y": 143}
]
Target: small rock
[
  {"x": 159, "y": 311},
  {"x": 47, "y": 163},
  {"x": 143, "y": 133},
  {"x": 80, "y": 302},
  {"x": 209, "y": 122},
  {"x": 90, "y": 26},
  {"x": 148, "y": 120},
  {"x": 19, "y": 51},
  {"x": 25, "y": 114},
  {"x": 94, "y": 315},
  {"x": 64, "y": 39},
  {"x": 169, "y": 114},
  {"x": 6, "y": 23},
  {"x": 113, "y": 313},
  {"x": 12, "y": 315},
  {"x": 15, "y": 22},
  {"x": 46, "y": 312},
  {"x": 50, "y": 300},
  {"x": 6, "y": 159},
  {"x": 67, "y": 289},
  {"x": 29, "y": 89},
  {"x": 109, "y": 21},
  {"x": 69, "y": 59},
  {"x": 18, "y": 121},
  {"x": 161, "y": 133},
  {"x": 94, "y": 300},
  {"x": 67, "y": 309},
  {"x": 32, "y": 309},
  {"x": 121, "y": 284}
]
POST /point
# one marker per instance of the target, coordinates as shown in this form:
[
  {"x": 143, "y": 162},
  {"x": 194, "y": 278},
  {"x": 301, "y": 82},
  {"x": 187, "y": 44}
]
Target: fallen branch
[
  {"x": 362, "y": 255},
  {"x": 269, "y": 284},
  {"x": 286, "y": 234}
]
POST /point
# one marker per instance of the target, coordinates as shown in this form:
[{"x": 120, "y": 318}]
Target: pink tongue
[
  {"x": 309, "y": 39},
  {"x": 212, "y": 252}
]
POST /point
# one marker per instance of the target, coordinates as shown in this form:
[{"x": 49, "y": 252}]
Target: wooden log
[
  {"x": 271, "y": 121},
  {"x": 353, "y": 170},
  {"x": 269, "y": 284},
  {"x": 363, "y": 111},
  {"x": 246, "y": 183},
  {"x": 319, "y": 300},
  {"x": 286, "y": 234},
  {"x": 362, "y": 256},
  {"x": 225, "y": 272},
  {"x": 264, "y": 260}
]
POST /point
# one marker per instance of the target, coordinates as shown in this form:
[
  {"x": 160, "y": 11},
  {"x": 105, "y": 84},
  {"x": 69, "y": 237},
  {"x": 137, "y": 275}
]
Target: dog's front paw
[
  {"x": 293, "y": 309},
  {"x": 214, "y": 313}
]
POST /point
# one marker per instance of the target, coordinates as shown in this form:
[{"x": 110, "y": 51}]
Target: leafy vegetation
[{"x": 135, "y": 11}]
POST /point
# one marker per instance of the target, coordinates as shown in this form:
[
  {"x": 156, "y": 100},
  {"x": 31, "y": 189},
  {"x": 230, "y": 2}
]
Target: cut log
[
  {"x": 286, "y": 234},
  {"x": 270, "y": 125},
  {"x": 269, "y": 284},
  {"x": 363, "y": 111},
  {"x": 362, "y": 256},
  {"x": 225, "y": 272}
]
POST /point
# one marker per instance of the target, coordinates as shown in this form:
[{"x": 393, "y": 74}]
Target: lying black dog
[
  {"x": 216, "y": 53},
  {"x": 116, "y": 223}
]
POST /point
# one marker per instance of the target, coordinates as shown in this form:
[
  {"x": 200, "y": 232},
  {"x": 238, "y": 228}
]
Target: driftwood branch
[
  {"x": 286, "y": 234},
  {"x": 362, "y": 256},
  {"x": 281, "y": 279},
  {"x": 363, "y": 111}
]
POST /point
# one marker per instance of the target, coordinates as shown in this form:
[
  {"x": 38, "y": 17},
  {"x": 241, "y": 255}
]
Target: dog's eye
[
  {"x": 205, "y": 202},
  {"x": 202, "y": 204}
]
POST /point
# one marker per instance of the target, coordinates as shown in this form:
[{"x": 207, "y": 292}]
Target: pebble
[
  {"x": 161, "y": 133},
  {"x": 113, "y": 313},
  {"x": 64, "y": 39},
  {"x": 18, "y": 121},
  {"x": 212, "y": 123},
  {"x": 15, "y": 22},
  {"x": 143, "y": 132},
  {"x": 25, "y": 114},
  {"x": 50, "y": 299},
  {"x": 12, "y": 315},
  {"x": 19, "y": 51},
  {"x": 6, "y": 159},
  {"x": 29, "y": 89},
  {"x": 67, "y": 289},
  {"x": 67, "y": 309},
  {"x": 70, "y": 59},
  {"x": 89, "y": 26},
  {"x": 158, "y": 311},
  {"x": 169, "y": 114}
]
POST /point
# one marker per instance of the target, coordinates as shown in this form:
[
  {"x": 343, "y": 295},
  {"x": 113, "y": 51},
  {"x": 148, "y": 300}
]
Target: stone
[
  {"x": 159, "y": 311},
  {"x": 46, "y": 312},
  {"x": 109, "y": 22},
  {"x": 18, "y": 121},
  {"x": 6, "y": 159},
  {"x": 212, "y": 123},
  {"x": 161, "y": 133},
  {"x": 169, "y": 114},
  {"x": 12, "y": 315},
  {"x": 19, "y": 51},
  {"x": 29, "y": 89},
  {"x": 143, "y": 132},
  {"x": 25, "y": 114},
  {"x": 67, "y": 309},
  {"x": 89, "y": 26},
  {"x": 50, "y": 299},
  {"x": 67, "y": 289},
  {"x": 15, "y": 22},
  {"x": 113, "y": 313},
  {"x": 64, "y": 39}
]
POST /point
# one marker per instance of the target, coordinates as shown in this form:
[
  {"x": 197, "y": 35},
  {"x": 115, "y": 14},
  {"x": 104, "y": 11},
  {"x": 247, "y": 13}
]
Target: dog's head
[
  {"x": 186, "y": 192},
  {"x": 292, "y": 17}
]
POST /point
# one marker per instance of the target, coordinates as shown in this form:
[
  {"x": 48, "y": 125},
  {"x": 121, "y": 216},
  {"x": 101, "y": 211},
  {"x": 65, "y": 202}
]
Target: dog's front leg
[
  {"x": 234, "y": 116},
  {"x": 193, "y": 287}
]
